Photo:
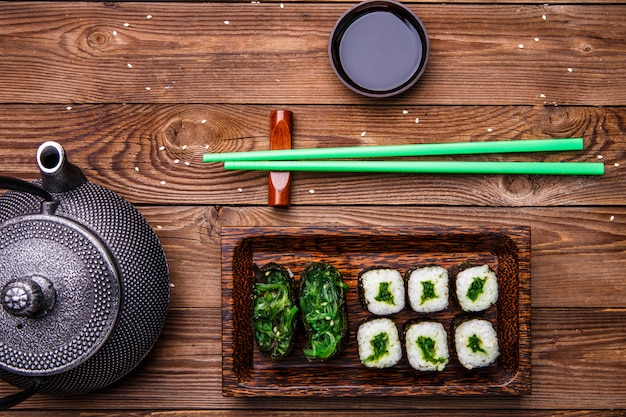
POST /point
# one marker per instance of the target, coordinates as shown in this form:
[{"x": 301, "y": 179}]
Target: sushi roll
[
  {"x": 426, "y": 344},
  {"x": 427, "y": 288},
  {"x": 381, "y": 290},
  {"x": 379, "y": 343},
  {"x": 323, "y": 310},
  {"x": 274, "y": 310},
  {"x": 476, "y": 288},
  {"x": 476, "y": 343}
]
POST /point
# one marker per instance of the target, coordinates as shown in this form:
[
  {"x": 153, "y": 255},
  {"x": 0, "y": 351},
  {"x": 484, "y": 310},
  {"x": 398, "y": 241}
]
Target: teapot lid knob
[{"x": 28, "y": 297}]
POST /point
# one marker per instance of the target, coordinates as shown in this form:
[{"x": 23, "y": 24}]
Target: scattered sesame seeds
[
  {"x": 163, "y": 182},
  {"x": 612, "y": 218},
  {"x": 311, "y": 191},
  {"x": 227, "y": 22},
  {"x": 129, "y": 65},
  {"x": 363, "y": 133},
  {"x": 161, "y": 148},
  {"x": 405, "y": 112},
  {"x": 240, "y": 190}
]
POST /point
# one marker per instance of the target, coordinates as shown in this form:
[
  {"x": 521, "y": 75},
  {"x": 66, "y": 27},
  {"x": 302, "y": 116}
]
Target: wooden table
[{"x": 137, "y": 92}]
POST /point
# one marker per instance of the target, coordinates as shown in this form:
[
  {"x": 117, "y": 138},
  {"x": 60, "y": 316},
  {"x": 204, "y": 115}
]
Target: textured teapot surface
[{"x": 84, "y": 281}]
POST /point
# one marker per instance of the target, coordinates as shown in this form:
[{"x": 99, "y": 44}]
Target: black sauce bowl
[{"x": 379, "y": 48}]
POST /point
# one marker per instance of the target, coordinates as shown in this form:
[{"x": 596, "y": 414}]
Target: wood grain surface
[{"x": 136, "y": 92}]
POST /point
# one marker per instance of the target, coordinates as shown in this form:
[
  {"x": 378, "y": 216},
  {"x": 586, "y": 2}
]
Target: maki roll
[
  {"x": 324, "y": 313},
  {"x": 476, "y": 343},
  {"x": 427, "y": 288},
  {"x": 379, "y": 343},
  {"x": 426, "y": 344},
  {"x": 476, "y": 288},
  {"x": 274, "y": 310},
  {"x": 381, "y": 290}
]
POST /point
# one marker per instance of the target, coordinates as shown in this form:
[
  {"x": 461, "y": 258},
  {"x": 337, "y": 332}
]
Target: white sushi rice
[
  {"x": 487, "y": 296},
  {"x": 434, "y": 277},
  {"x": 476, "y": 343},
  {"x": 438, "y": 358},
  {"x": 370, "y": 284},
  {"x": 366, "y": 334}
]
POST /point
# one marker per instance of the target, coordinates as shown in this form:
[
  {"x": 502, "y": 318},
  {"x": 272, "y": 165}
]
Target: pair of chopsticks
[{"x": 333, "y": 159}]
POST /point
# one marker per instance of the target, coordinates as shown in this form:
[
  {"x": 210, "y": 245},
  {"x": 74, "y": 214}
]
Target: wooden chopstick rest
[{"x": 279, "y": 183}]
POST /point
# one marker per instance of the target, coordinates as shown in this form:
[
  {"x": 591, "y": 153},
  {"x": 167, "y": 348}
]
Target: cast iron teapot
[{"x": 84, "y": 283}]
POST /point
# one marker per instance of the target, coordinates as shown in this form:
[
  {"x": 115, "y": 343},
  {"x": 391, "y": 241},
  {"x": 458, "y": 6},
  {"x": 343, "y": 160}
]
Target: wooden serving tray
[{"x": 246, "y": 372}]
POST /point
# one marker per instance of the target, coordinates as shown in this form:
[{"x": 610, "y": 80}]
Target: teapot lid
[{"x": 60, "y": 294}]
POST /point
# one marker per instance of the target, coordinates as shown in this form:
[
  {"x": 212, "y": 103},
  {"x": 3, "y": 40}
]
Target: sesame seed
[
  {"x": 163, "y": 182},
  {"x": 159, "y": 227},
  {"x": 282, "y": 6},
  {"x": 115, "y": 33},
  {"x": 405, "y": 112},
  {"x": 600, "y": 157},
  {"x": 126, "y": 25},
  {"x": 68, "y": 108},
  {"x": 612, "y": 218},
  {"x": 148, "y": 89},
  {"x": 570, "y": 70},
  {"x": 490, "y": 130},
  {"x": 542, "y": 95},
  {"x": 311, "y": 191},
  {"x": 227, "y": 22},
  {"x": 172, "y": 285},
  {"x": 187, "y": 163},
  {"x": 240, "y": 189},
  {"x": 417, "y": 120},
  {"x": 176, "y": 161},
  {"x": 161, "y": 148},
  {"x": 616, "y": 164},
  {"x": 184, "y": 147},
  {"x": 203, "y": 121},
  {"x": 206, "y": 146},
  {"x": 363, "y": 133},
  {"x": 544, "y": 17},
  {"x": 536, "y": 39},
  {"x": 521, "y": 46},
  {"x": 137, "y": 169},
  {"x": 129, "y": 65},
  {"x": 149, "y": 16}
]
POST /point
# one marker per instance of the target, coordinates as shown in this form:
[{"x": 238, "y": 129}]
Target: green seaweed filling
[
  {"x": 474, "y": 343},
  {"x": 322, "y": 304},
  {"x": 476, "y": 288},
  {"x": 427, "y": 346},
  {"x": 428, "y": 291},
  {"x": 274, "y": 314},
  {"x": 384, "y": 295},
  {"x": 379, "y": 344}
]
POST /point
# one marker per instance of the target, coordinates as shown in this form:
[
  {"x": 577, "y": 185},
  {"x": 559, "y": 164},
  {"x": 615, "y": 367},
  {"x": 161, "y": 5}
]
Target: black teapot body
[{"x": 84, "y": 283}]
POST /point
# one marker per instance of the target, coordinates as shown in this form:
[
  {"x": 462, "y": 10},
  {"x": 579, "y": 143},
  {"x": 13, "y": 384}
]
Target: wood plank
[
  {"x": 152, "y": 154},
  {"x": 567, "y": 244},
  {"x": 577, "y": 364},
  {"x": 107, "y": 52}
]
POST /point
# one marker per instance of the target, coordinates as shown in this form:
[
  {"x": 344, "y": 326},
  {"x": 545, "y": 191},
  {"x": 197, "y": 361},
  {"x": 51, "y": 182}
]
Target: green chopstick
[
  {"x": 425, "y": 167},
  {"x": 455, "y": 148}
]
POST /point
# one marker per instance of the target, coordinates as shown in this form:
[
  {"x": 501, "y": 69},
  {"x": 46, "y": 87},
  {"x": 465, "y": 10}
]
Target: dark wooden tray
[{"x": 246, "y": 372}]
